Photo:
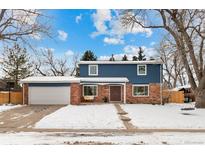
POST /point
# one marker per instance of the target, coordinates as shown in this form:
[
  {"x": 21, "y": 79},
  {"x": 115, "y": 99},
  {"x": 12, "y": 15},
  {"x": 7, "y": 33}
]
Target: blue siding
[{"x": 125, "y": 70}]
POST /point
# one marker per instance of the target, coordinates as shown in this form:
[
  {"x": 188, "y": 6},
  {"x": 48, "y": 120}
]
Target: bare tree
[
  {"x": 174, "y": 72},
  {"x": 74, "y": 68},
  {"x": 47, "y": 65},
  {"x": 20, "y": 25},
  {"x": 185, "y": 26}
]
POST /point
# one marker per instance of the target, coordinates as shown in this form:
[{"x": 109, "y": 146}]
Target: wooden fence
[
  {"x": 15, "y": 97},
  {"x": 173, "y": 96}
]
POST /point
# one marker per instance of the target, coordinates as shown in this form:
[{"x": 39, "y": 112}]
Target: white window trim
[
  {"x": 92, "y": 86},
  {"x": 139, "y": 85},
  {"x": 96, "y": 70},
  {"x": 138, "y": 69}
]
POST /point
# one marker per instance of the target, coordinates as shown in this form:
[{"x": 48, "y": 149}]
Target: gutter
[{"x": 161, "y": 84}]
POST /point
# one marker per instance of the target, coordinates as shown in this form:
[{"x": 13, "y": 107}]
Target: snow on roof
[
  {"x": 50, "y": 79},
  {"x": 104, "y": 79},
  {"x": 68, "y": 79},
  {"x": 122, "y": 62},
  {"x": 181, "y": 87}
]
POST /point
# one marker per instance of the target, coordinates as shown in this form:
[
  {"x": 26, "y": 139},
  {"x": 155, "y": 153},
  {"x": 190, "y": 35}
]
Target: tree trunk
[
  {"x": 200, "y": 94},
  {"x": 200, "y": 99}
]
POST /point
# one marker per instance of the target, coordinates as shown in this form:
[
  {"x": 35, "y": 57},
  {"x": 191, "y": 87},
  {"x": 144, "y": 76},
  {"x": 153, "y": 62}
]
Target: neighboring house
[
  {"x": 188, "y": 93},
  {"x": 6, "y": 85},
  {"x": 99, "y": 81},
  {"x": 2, "y": 84}
]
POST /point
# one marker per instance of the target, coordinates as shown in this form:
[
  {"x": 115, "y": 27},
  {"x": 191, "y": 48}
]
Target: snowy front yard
[
  {"x": 8, "y": 107},
  {"x": 83, "y": 117},
  {"x": 168, "y": 116}
]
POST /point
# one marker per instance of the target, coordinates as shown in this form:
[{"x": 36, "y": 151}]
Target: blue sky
[{"x": 98, "y": 30}]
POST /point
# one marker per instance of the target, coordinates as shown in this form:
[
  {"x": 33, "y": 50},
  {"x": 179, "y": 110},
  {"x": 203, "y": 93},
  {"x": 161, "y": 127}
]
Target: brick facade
[
  {"x": 153, "y": 98},
  {"x": 75, "y": 93},
  {"x": 25, "y": 93},
  {"x": 103, "y": 91}
]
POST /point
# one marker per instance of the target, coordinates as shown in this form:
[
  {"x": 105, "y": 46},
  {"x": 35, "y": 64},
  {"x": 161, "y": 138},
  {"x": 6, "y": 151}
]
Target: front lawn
[
  {"x": 167, "y": 116},
  {"x": 83, "y": 117}
]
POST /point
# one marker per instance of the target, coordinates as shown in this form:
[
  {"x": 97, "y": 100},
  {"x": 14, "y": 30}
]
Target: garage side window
[
  {"x": 93, "y": 70},
  {"x": 140, "y": 90},
  {"x": 90, "y": 90}
]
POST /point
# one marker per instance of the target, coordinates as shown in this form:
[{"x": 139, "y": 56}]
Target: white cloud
[
  {"x": 114, "y": 41},
  {"x": 62, "y": 35},
  {"x": 78, "y": 18},
  {"x": 116, "y": 28},
  {"x": 152, "y": 43},
  {"x": 150, "y": 52},
  {"x": 131, "y": 51},
  {"x": 108, "y": 23},
  {"x": 99, "y": 19},
  {"x": 116, "y": 56},
  {"x": 36, "y": 36},
  {"x": 69, "y": 53}
]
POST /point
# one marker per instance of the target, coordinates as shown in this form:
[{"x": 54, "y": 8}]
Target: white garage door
[{"x": 49, "y": 95}]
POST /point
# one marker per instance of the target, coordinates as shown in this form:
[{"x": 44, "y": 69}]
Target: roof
[
  {"x": 122, "y": 62},
  {"x": 50, "y": 79},
  {"x": 66, "y": 79},
  {"x": 181, "y": 87},
  {"x": 104, "y": 79}
]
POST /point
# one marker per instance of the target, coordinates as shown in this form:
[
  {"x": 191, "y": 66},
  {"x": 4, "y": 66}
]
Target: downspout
[
  {"x": 161, "y": 83},
  {"x": 125, "y": 93},
  {"x": 23, "y": 93}
]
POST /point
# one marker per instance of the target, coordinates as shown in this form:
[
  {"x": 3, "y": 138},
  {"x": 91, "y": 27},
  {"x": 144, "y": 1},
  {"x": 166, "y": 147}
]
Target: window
[
  {"x": 93, "y": 69},
  {"x": 90, "y": 90},
  {"x": 141, "y": 69},
  {"x": 140, "y": 90}
]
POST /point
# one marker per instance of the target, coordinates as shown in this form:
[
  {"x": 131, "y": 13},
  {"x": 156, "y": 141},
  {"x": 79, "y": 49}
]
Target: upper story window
[
  {"x": 93, "y": 70},
  {"x": 141, "y": 69}
]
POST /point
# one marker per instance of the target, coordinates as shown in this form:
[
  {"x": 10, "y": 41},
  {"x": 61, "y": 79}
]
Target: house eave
[
  {"x": 103, "y": 80},
  {"x": 122, "y": 62},
  {"x": 50, "y": 79}
]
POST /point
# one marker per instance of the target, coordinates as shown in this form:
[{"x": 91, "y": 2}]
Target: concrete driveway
[{"x": 25, "y": 117}]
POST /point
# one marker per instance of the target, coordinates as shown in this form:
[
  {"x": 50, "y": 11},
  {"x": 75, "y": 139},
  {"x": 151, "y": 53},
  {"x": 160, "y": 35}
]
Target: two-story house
[{"x": 99, "y": 81}]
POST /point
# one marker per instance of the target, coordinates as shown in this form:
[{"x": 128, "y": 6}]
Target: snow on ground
[
  {"x": 7, "y": 107},
  {"x": 167, "y": 116},
  {"x": 83, "y": 117},
  {"x": 86, "y": 138}
]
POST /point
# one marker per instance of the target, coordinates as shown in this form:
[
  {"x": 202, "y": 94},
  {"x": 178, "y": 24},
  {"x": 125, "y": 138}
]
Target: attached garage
[
  {"x": 50, "y": 94},
  {"x": 48, "y": 90}
]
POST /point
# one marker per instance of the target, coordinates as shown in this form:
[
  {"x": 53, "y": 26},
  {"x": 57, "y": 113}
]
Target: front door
[{"x": 115, "y": 93}]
